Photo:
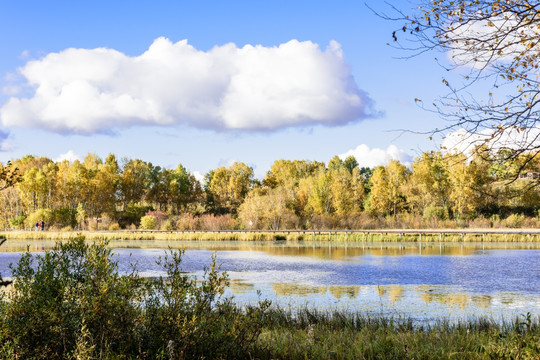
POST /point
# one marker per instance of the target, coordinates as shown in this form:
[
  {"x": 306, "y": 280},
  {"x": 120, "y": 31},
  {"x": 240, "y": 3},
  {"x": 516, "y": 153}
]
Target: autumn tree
[
  {"x": 288, "y": 173},
  {"x": 105, "y": 185},
  {"x": 9, "y": 175},
  {"x": 34, "y": 188},
  {"x": 134, "y": 181},
  {"x": 71, "y": 184},
  {"x": 350, "y": 163},
  {"x": 229, "y": 186},
  {"x": 379, "y": 198},
  {"x": 463, "y": 178},
  {"x": 184, "y": 189},
  {"x": 320, "y": 199},
  {"x": 387, "y": 188},
  {"x": 9, "y": 199},
  {"x": 429, "y": 184},
  {"x": 494, "y": 48},
  {"x": 267, "y": 209}
]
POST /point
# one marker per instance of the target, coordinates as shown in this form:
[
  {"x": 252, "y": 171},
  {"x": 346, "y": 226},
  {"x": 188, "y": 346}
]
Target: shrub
[
  {"x": 18, "y": 221},
  {"x": 219, "y": 222},
  {"x": 514, "y": 221},
  {"x": 64, "y": 216},
  {"x": 148, "y": 222},
  {"x": 187, "y": 222},
  {"x": 167, "y": 225},
  {"x": 159, "y": 215},
  {"x": 133, "y": 214},
  {"x": 72, "y": 302},
  {"x": 114, "y": 227},
  {"x": 436, "y": 212},
  {"x": 41, "y": 214},
  {"x": 72, "y": 289}
]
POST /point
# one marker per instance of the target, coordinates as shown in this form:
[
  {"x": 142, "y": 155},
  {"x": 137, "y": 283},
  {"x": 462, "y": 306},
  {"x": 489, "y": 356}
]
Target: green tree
[
  {"x": 134, "y": 181},
  {"x": 184, "y": 189},
  {"x": 429, "y": 183},
  {"x": 229, "y": 186},
  {"x": 350, "y": 163}
]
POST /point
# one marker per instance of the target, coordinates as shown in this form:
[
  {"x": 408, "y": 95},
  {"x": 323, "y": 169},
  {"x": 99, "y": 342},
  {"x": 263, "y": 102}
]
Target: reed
[
  {"x": 309, "y": 334},
  {"x": 294, "y": 236}
]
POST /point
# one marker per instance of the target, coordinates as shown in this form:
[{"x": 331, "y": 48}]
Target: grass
[
  {"x": 320, "y": 335},
  {"x": 373, "y": 236}
]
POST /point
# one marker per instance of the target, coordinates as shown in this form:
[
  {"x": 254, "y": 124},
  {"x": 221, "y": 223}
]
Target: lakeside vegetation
[
  {"x": 72, "y": 303},
  {"x": 437, "y": 191},
  {"x": 463, "y": 236}
]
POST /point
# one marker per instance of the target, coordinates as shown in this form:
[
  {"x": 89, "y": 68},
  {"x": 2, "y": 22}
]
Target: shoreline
[{"x": 363, "y": 235}]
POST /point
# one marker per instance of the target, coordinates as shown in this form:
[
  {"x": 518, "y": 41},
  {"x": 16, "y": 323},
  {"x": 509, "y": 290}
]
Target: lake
[{"x": 422, "y": 281}]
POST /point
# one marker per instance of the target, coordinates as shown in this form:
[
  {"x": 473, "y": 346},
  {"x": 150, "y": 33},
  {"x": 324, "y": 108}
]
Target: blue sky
[{"x": 286, "y": 57}]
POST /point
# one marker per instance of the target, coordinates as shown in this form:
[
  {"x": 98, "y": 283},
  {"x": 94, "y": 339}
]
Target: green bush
[
  {"x": 514, "y": 221},
  {"x": 72, "y": 303},
  {"x": 114, "y": 227},
  {"x": 18, "y": 221},
  {"x": 436, "y": 212},
  {"x": 148, "y": 222},
  {"x": 64, "y": 217},
  {"x": 133, "y": 214},
  {"x": 40, "y": 214}
]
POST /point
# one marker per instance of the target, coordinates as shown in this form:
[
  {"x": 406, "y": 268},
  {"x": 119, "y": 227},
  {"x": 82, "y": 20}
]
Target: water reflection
[
  {"x": 319, "y": 249},
  {"x": 421, "y": 303},
  {"x": 424, "y": 281}
]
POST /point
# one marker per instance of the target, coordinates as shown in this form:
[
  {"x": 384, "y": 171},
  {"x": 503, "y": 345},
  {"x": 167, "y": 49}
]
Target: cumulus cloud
[
  {"x": 69, "y": 156},
  {"x": 473, "y": 41},
  {"x": 259, "y": 88},
  {"x": 368, "y": 157},
  {"x": 199, "y": 176},
  {"x": 463, "y": 141}
]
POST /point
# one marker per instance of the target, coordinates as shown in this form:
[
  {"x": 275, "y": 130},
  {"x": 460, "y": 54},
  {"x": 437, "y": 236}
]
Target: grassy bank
[
  {"x": 316, "y": 335},
  {"x": 408, "y": 235}
]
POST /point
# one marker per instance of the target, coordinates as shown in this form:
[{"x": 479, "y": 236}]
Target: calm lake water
[{"x": 422, "y": 281}]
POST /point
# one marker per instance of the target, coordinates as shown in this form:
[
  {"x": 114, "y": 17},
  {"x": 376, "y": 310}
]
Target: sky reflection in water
[{"x": 421, "y": 281}]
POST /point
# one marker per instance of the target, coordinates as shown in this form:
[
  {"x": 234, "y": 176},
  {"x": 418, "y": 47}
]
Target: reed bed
[
  {"x": 310, "y": 334},
  {"x": 293, "y": 236}
]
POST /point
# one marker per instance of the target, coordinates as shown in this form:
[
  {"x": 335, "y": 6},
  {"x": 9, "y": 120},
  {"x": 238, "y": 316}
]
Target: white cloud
[
  {"x": 227, "y": 162},
  {"x": 86, "y": 91},
  {"x": 368, "y": 157},
  {"x": 463, "y": 141},
  {"x": 199, "y": 176},
  {"x": 472, "y": 42},
  {"x": 69, "y": 156}
]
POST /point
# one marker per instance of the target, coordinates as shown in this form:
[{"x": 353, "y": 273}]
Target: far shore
[{"x": 364, "y": 235}]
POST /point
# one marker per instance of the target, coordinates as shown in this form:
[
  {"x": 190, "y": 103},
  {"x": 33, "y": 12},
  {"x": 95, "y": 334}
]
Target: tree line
[{"x": 438, "y": 189}]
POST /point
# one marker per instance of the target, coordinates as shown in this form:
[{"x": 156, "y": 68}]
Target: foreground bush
[{"x": 73, "y": 303}]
